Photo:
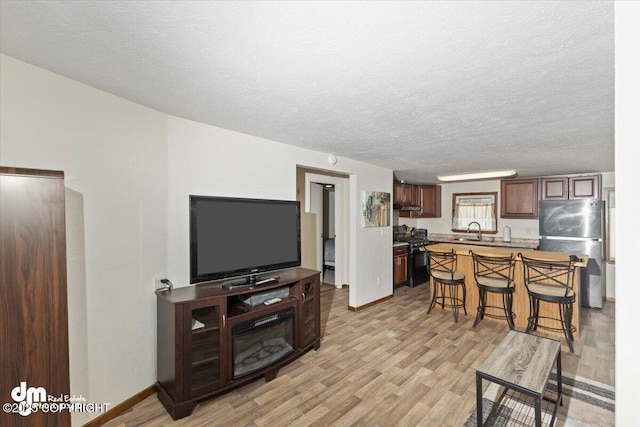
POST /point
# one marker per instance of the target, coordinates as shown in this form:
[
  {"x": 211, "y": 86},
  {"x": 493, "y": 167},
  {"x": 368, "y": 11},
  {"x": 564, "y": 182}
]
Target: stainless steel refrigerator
[{"x": 577, "y": 226}]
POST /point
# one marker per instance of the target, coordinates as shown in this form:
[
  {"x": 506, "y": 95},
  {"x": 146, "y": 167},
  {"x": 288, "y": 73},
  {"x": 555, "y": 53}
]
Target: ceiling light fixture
[{"x": 478, "y": 176}]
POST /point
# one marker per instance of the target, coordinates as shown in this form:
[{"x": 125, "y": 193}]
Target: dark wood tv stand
[{"x": 196, "y": 364}]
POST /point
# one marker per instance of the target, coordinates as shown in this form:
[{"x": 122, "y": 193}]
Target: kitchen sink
[{"x": 474, "y": 239}]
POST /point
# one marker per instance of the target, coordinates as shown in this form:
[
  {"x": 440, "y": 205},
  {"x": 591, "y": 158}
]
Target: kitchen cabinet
[
  {"x": 570, "y": 187},
  {"x": 429, "y": 197},
  {"x": 582, "y": 187},
  {"x": 400, "y": 265},
  {"x": 554, "y": 188},
  {"x": 426, "y": 196},
  {"x": 404, "y": 193},
  {"x": 519, "y": 198}
]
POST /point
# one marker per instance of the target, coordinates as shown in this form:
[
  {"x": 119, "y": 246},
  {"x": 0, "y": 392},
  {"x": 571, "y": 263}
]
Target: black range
[{"x": 418, "y": 260}]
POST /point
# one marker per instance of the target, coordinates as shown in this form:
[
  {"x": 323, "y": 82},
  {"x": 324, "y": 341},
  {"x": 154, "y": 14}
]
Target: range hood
[{"x": 401, "y": 207}]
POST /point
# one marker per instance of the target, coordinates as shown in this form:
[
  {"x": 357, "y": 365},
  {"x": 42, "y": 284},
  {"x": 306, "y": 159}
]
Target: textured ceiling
[{"x": 424, "y": 88}]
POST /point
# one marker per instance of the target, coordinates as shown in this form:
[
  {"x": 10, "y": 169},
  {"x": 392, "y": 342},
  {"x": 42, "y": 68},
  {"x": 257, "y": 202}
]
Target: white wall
[
  {"x": 627, "y": 134},
  {"x": 207, "y": 160},
  {"x": 114, "y": 156},
  {"x": 122, "y": 188},
  {"x": 609, "y": 181}
]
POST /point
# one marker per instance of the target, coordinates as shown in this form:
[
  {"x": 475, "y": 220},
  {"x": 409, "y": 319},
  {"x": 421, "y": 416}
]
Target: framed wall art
[{"x": 376, "y": 209}]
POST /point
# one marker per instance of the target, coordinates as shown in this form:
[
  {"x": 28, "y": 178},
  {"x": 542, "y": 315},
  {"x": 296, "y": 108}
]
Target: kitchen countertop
[
  {"x": 463, "y": 249},
  {"x": 520, "y": 296},
  {"x": 396, "y": 244},
  {"x": 468, "y": 239}
]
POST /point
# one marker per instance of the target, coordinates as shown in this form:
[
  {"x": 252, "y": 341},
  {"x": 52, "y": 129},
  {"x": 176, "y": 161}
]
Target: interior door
[{"x": 315, "y": 208}]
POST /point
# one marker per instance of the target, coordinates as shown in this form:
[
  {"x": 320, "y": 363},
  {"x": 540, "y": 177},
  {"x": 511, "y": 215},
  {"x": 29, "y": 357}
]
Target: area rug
[{"x": 586, "y": 403}]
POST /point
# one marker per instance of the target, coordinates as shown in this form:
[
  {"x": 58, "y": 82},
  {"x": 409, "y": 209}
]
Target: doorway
[
  {"x": 322, "y": 205},
  {"x": 328, "y": 234},
  {"x": 324, "y": 198}
]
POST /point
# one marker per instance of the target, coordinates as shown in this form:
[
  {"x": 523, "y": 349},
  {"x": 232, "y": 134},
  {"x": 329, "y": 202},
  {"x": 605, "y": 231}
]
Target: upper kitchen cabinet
[
  {"x": 404, "y": 194},
  {"x": 582, "y": 187},
  {"x": 424, "y": 200},
  {"x": 429, "y": 197},
  {"x": 570, "y": 187},
  {"x": 555, "y": 188},
  {"x": 519, "y": 198}
]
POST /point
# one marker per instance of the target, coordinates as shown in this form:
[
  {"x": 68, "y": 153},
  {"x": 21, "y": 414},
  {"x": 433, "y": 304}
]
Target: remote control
[
  {"x": 267, "y": 280},
  {"x": 272, "y": 301}
]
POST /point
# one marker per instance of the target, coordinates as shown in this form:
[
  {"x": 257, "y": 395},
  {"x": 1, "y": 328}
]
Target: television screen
[{"x": 234, "y": 237}]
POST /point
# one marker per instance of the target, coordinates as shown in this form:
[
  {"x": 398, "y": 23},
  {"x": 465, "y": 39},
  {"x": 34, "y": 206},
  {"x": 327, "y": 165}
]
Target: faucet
[{"x": 479, "y": 229}]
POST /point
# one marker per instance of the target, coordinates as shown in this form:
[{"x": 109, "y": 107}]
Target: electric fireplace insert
[{"x": 260, "y": 342}]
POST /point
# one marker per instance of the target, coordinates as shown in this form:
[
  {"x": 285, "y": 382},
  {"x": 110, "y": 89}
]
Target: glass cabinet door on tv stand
[
  {"x": 191, "y": 356},
  {"x": 204, "y": 322},
  {"x": 310, "y": 328}
]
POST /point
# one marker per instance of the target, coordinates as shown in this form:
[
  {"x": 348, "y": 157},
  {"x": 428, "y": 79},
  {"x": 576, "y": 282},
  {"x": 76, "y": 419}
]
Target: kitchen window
[{"x": 478, "y": 207}]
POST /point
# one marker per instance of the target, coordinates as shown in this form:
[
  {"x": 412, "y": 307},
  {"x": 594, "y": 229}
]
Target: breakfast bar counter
[{"x": 520, "y": 297}]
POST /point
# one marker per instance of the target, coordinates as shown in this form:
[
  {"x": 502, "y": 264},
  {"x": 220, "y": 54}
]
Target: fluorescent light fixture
[{"x": 478, "y": 176}]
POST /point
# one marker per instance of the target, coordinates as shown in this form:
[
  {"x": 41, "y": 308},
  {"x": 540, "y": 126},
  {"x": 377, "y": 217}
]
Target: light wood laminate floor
[{"x": 388, "y": 365}]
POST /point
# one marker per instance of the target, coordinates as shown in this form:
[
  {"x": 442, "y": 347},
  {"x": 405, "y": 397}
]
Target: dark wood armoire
[{"x": 34, "y": 343}]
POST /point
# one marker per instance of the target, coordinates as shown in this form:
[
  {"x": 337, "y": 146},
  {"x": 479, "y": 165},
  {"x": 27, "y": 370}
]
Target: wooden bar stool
[
  {"x": 494, "y": 274},
  {"x": 550, "y": 281},
  {"x": 445, "y": 278}
]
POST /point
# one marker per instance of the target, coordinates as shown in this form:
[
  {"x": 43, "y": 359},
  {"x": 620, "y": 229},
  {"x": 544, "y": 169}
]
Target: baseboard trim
[
  {"x": 122, "y": 407},
  {"x": 610, "y": 299},
  {"x": 372, "y": 303}
]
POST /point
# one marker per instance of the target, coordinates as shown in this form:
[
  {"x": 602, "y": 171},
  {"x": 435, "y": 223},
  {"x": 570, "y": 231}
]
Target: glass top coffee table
[{"x": 522, "y": 363}]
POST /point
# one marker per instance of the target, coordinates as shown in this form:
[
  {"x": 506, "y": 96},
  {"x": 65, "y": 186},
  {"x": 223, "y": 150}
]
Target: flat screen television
[{"x": 233, "y": 237}]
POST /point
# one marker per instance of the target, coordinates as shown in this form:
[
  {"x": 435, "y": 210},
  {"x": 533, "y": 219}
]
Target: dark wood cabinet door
[
  {"x": 310, "y": 319},
  {"x": 404, "y": 193},
  {"x": 400, "y": 265},
  {"x": 400, "y": 273},
  {"x": 555, "y": 188},
  {"x": 403, "y": 268},
  {"x": 571, "y": 187},
  {"x": 429, "y": 198},
  {"x": 397, "y": 189},
  {"x": 192, "y": 356},
  {"x": 33, "y": 290},
  {"x": 519, "y": 198},
  {"x": 582, "y": 187},
  {"x": 205, "y": 367},
  {"x": 407, "y": 194}
]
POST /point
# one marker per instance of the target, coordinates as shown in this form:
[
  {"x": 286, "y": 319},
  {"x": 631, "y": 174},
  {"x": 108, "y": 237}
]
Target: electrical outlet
[
  {"x": 157, "y": 284},
  {"x": 379, "y": 281}
]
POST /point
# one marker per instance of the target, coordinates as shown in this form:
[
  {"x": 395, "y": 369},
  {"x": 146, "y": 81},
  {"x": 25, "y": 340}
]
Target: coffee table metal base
[{"x": 526, "y": 350}]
